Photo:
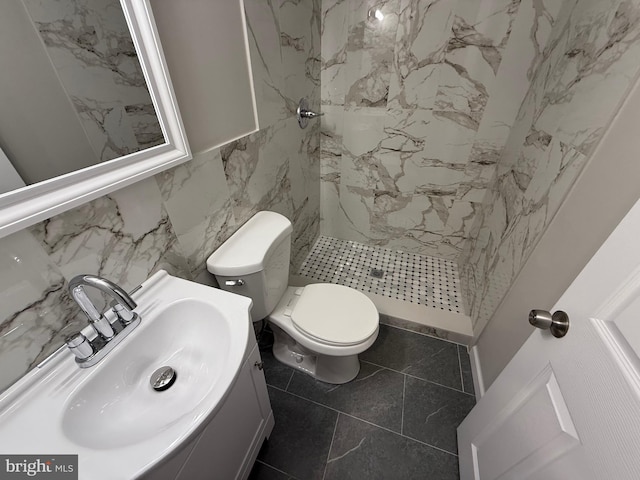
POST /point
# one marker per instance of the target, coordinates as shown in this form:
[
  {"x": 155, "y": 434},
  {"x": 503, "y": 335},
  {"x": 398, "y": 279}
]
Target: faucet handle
[
  {"x": 96, "y": 319},
  {"x": 104, "y": 328},
  {"x": 125, "y": 315},
  {"x": 80, "y": 346}
]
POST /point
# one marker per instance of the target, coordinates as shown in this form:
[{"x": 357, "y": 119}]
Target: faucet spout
[
  {"x": 90, "y": 350},
  {"x": 97, "y": 319},
  {"x": 104, "y": 285}
]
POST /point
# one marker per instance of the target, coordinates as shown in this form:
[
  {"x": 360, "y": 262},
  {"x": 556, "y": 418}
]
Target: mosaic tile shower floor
[{"x": 429, "y": 281}]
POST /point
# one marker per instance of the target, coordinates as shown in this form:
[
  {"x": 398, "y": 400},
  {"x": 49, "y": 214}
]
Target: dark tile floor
[{"x": 396, "y": 420}]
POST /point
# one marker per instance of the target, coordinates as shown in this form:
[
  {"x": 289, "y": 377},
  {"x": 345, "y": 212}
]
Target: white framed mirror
[{"x": 159, "y": 142}]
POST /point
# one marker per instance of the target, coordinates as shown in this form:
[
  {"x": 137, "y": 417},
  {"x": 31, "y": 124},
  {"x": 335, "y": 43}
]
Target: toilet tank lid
[{"x": 246, "y": 250}]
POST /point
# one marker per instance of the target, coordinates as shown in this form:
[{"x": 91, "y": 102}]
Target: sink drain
[{"x": 163, "y": 378}]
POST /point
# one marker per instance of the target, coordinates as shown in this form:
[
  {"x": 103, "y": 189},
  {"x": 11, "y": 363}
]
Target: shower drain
[{"x": 377, "y": 273}]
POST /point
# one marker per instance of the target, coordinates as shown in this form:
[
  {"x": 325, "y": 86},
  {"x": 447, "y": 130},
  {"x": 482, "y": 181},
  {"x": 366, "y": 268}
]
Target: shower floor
[{"x": 409, "y": 277}]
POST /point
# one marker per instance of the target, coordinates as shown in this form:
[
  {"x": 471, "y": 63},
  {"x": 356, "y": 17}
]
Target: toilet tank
[{"x": 258, "y": 254}]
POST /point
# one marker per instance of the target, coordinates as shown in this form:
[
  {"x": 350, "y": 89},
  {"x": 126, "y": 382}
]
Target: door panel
[
  {"x": 539, "y": 418},
  {"x": 569, "y": 408}
]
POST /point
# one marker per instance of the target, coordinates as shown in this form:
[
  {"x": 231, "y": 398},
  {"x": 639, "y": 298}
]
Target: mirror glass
[{"x": 72, "y": 90}]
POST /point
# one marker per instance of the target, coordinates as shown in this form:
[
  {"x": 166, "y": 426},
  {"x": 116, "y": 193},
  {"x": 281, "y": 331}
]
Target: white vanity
[
  {"x": 209, "y": 423},
  {"x": 229, "y": 443}
]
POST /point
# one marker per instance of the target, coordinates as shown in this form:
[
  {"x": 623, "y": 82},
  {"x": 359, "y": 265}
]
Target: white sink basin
[{"x": 109, "y": 414}]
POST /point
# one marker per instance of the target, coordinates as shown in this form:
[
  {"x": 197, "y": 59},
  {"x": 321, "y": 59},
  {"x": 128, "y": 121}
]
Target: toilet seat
[{"x": 334, "y": 314}]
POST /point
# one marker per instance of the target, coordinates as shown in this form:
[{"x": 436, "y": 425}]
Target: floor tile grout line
[
  {"x": 418, "y": 378},
  {"x": 276, "y": 469},
  {"x": 363, "y": 420},
  {"x": 460, "y": 367},
  {"x": 404, "y": 389},
  {"x": 326, "y": 463},
  {"x": 293, "y": 372},
  {"x": 432, "y": 446}
]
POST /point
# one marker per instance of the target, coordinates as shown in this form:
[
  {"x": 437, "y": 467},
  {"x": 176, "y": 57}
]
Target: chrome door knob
[{"x": 557, "y": 323}]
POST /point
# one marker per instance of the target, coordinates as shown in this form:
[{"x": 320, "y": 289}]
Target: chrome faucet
[{"x": 108, "y": 334}]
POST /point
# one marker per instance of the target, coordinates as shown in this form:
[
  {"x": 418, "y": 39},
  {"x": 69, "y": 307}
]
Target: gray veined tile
[
  {"x": 301, "y": 438},
  {"x": 261, "y": 471},
  {"x": 375, "y": 395},
  {"x": 432, "y": 413},
  {"x": 424, "y": 357},
  {"x": 276, "y": 373},
  {"x": 363, "y": 451}
]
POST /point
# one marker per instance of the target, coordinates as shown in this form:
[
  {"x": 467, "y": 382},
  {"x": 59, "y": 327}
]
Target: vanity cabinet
[{"x": 229, "y": 444}]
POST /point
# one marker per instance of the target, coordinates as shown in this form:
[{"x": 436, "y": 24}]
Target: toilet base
[{"x": 329, "y": 369}]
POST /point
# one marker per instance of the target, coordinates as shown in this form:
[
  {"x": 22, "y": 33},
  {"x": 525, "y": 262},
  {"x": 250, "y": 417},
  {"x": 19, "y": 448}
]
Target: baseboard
[{"x": 476, "y": 373}]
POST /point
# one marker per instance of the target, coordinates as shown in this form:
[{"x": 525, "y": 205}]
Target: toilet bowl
[{"x": 318, "y": 329}]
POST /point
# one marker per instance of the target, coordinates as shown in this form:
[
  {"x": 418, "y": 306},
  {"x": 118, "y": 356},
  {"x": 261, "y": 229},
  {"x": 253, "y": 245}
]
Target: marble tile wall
[
  {"x": 575, "y": 84},
  {"x": 418, "y": 108},
  {"x": 90, "y": 48},
  {"x": 174, "y": 220},
  {"x": 455, "y": 128}
]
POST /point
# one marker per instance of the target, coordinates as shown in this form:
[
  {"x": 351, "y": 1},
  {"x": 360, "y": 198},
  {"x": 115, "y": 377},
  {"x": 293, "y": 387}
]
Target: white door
[{"x": 569, "y": 408}]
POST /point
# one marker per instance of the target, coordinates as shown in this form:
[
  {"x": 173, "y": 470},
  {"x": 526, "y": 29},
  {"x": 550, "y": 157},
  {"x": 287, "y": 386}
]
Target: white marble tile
[
  {"x": 334, "y": 51},
  {"x": 480, "y": 31},
  {"x": 576, "y": 84},
  {"x": 459, "y": 92},
  {"x": 363, "y": 129},
  {"x": 37, "y": 331},
  {"x": 36, "y": 311},
  {"x": 306, "y": 228},
  {"x": 353, "y": 221},
  {"x": 566, "y": 171},
  {"x": 331, "y": 138},
  {"x": 201, "y": 178},
  {"x": 330, "y": 166},
  {"x": 460, "y": 219},
  {"x": 522, "y": 56},
  {"x": 417, "y": 154},
  {"x": 300, "y": 57},
  {"x": 90, "y": 48},
  {"x": 144, "y": 123},
  {"x": 369, "y": 56},
  {"x": 123, "y": 237},
  {"x": 197, "y": 201},
  {"x": 329, "y": 207},
  {"x": 422, "y": 37},
  {"x": 451, "y": 138}
]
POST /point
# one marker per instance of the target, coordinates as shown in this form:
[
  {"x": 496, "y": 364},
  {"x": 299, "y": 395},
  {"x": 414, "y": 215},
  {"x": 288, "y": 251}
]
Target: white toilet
[{"x": 319, "y": 329}]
